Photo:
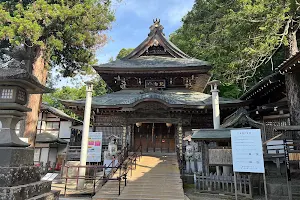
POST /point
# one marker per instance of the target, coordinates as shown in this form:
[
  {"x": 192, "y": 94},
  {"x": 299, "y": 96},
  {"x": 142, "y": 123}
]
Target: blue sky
[{"x": 133, "y": 19}]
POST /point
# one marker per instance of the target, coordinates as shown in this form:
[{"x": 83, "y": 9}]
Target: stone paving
[{"x": 156, "y": 176}]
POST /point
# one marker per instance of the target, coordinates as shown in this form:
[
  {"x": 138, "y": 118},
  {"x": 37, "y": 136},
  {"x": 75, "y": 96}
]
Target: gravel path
[{"x": 204, "y": 196}]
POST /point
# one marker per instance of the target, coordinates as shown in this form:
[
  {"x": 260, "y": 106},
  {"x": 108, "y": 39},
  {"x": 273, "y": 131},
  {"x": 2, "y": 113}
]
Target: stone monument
[
  {"x": 193, "y": 156},
  {"x": 112, "y": 150},
  {"x": 19, "y": 178}
]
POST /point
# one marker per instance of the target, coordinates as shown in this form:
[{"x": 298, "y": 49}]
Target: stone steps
[
  {"x": 26, "y": 191},
  {"x": 53, "y": 195},
  {"x": 156, "y": 177}
]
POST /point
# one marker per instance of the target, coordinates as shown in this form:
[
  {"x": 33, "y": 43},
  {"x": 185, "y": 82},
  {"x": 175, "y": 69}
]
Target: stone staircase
[{"x": 156, "y": 176}]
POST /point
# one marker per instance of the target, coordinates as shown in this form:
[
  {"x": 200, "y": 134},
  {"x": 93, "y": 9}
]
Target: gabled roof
[
  {"x": 156, "y": 38},
  {"x": 155, "y": 52},
  {"x": 59, "y": 113},
  {"x": 240, "y": 117}
]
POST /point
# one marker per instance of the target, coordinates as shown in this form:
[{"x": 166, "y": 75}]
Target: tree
[
  {"x": 73, "y": 93},
  {"x": 244, "y": 39},
  {"x": 124, "y": 52},
  {"x": 54, "y": 33},
  {"x": 238, "y": 37}
]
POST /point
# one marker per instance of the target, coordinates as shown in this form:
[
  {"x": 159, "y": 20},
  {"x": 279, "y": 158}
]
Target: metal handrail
[
  {"x": 94, "y": 167},
  {"x": 124, "y": 170}
]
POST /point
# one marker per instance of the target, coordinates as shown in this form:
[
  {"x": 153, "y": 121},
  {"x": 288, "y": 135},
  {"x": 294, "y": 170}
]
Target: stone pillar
[
  {"x": 215, "y": 103},
  {"x": 180, "y": 139},
  {"x": 85, "y": 132},
  {"x": 218, "y": 169},
  {"x": 216, "y": 109},
  {"x": 8, "y": 134},
  {"x": 227, "y": 170}
]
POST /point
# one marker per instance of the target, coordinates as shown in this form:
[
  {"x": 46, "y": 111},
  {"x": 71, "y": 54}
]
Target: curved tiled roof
[
  {"x": 167, "y": 56},
  {"x": 59, "y": 113},
  {"x": 15, "y": 71},
  {"x": 154, "y": 62},
  {"x": 49, "y": 138},
  {"x": 129, "y": 98}
]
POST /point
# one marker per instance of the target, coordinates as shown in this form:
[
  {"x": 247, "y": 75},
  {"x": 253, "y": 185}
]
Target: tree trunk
[
  {"x": 292, "y": 81},
  {"x": 40, "y": 72}
]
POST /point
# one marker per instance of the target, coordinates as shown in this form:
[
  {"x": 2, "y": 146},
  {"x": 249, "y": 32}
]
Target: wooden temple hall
[{"x": 158, "y": 96}]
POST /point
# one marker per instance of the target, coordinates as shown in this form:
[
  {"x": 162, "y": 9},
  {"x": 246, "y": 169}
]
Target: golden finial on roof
[
  {"x": 156, "y": 22},
  {"x": 156, "y": 26}
]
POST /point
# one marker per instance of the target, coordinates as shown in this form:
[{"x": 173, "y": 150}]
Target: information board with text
[
  {"x": 247, "y": 154},
  {"x": 94, "y": 147}
]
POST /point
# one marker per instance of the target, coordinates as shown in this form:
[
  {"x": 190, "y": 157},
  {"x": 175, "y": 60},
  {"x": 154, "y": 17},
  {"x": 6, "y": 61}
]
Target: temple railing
[{"x": 225, "y": 184}]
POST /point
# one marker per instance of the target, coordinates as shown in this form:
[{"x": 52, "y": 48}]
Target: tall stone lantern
[{"x": 19, "y": 178}]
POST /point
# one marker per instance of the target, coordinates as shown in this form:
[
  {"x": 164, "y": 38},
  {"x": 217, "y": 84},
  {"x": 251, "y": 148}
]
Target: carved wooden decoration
[{"x": 110, "y": 120}]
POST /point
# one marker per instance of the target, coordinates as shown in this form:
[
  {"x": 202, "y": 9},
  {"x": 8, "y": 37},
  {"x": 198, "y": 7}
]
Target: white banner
[
  {"x": 94, "y": 147},
  {"x": 247, "y": 154}
]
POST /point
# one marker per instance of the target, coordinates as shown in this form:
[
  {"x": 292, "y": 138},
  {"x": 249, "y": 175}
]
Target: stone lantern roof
[
  {"x": 16, "y": 83},
  {"x": 14, "y": 73}
]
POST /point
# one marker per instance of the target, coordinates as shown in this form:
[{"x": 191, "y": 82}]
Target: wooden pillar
[
  {"x": 179, "y": 129},
  {"x": 124, "y": 142},
  {"x": 130, "y": 132},
  {"x": 205, "y": 157}
]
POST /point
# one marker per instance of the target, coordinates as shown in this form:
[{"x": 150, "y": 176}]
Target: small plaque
[
  {"x": 49, "y": 177},
  {"x": 155, "y": 83}
]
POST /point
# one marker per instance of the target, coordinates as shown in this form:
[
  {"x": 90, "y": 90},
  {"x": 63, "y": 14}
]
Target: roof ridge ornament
[
  {"x": 156, "y": 22},
  {"x": 156, "y": 26}
]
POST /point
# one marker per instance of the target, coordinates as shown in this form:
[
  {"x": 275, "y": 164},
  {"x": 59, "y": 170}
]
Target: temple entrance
[{"x": 155, "y": 137}]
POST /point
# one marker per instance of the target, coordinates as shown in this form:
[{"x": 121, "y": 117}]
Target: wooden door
[{"x": 159, "y": 139}]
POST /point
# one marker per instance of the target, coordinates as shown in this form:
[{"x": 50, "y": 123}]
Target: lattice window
[
  {"x": 21, "y": 95},
  {"x": 7, "y": 93},
  {"x": 271, "y": 123},
  {"x": 52, "y": 125}
]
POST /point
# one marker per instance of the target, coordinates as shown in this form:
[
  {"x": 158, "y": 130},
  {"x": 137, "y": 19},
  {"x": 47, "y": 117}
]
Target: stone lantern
[
  {"x": 12, "y": 110},
  {"x": 19, "y": 178}
]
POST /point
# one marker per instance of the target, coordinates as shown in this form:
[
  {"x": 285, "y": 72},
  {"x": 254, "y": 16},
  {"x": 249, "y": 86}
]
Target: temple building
[{"x": 158, "y": 96}]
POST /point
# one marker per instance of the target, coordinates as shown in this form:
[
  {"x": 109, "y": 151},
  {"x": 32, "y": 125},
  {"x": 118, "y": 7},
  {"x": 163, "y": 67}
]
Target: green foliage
[
  {"x": 68, "y": 31},
  {"x": 124, "y": 52},
  {"x": 72, "y": 93},
  {"x": 243, "y": 39}
]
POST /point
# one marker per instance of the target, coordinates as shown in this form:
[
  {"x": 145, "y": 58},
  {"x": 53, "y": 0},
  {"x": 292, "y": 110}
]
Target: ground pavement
[{"x": 156, "y": 176}]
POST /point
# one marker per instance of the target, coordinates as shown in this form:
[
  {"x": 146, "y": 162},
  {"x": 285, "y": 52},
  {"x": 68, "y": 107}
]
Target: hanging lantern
[
  {"x": 168, "y": 125},
  {"x": 138, "y": 124}
]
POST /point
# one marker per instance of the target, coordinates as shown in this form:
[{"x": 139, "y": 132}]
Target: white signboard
[
  {"x": 247, "y": 154},
  {"x": 94, "y": 147},
  {"x": 49, "y": 176}
]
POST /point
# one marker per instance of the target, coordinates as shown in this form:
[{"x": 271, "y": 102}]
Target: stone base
[
  {"x": 16, "y": 157},
  {"x": 14, "y": 176},
  {"x": 20, "y": 179},
  {"x": 27, "y": 191}
]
